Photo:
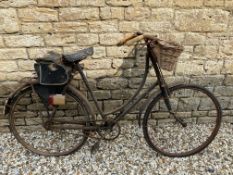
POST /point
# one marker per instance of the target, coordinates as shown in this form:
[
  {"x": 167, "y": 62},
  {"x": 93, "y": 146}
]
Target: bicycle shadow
[{"x": 119, "y": 83}]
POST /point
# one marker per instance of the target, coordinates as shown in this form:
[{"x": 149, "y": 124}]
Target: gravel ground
[{"x": 128, "y": 154}]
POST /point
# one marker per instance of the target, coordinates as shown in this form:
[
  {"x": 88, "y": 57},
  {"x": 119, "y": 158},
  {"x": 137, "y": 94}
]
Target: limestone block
[
  {"x": 110, "y": 38},
  {"x": 17, "y": 3},
  {"x": 13, "y": 54},
  {"x": 94, "y": 64},
  {"x": 155, "y": 26},
  {"x": 36, "y": 27},
  {"x": 190, "y": 68},
  {"x": 103, "y": 73},
  {"x": 194, "y": 39},
  {"x": 128, "y": 26},
  {"x": 97, "y": 3},
  {"x": 137, "y": 13},
  {"x": 213, "y": 67},
  {"x": 26, "y": 65},
  {"x": 224, "y": 91},
  {"x": 103, "y": 26},
  {"x": 112, "y": 104},
  {"x": 112, "y": 13},
  {"x": 119, "y": 2},
  {"x": 56, "y": 3},
  {"x": 8, "y": 66},
  {"x": 201, "y": 20},
  {"x": 37, "y": 14},
  {"x": 8, "y": 21},
  {"x": 63, "y": 27},
  {"x": 112, "y": 83},
  {"x": 162, "y": 14},
  {"x": 74, "y": 14},
  {"x": 60, "y": 39},
  {"x": 228, "y": 67},
  {"x": 17, "y": 76},
  {"x": 214, "y": 3},
  {"x": 87, "y": 39},
  {"x": 159, "y": 3},
  {"x": 101, "y": 94},
  {"x": 24, "y": 40},
  {"x": 190, "y": 3},
  {"x": 229, "y": 80}
]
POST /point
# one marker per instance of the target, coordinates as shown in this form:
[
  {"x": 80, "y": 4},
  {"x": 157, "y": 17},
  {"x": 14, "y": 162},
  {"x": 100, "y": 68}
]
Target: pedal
[{"x": 95, "y": 147}]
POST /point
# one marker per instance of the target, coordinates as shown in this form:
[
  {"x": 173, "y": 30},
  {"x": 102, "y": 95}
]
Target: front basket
[{"x": 167, "y": 53}]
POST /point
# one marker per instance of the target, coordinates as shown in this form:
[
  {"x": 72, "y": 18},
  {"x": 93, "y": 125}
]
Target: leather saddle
[{"x": 70, "y": 58}]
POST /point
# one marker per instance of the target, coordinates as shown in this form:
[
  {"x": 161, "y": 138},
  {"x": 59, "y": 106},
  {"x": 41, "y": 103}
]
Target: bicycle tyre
[
  {"x": 172, "y": 126},
  {"x": 21, "y": 129}
]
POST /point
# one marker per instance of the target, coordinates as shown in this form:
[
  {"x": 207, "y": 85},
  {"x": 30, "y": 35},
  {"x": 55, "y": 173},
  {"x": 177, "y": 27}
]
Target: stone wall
[{"x": 31, "y": 28}]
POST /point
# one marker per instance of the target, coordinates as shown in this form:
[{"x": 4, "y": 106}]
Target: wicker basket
[{"x": 167, "y": 53}]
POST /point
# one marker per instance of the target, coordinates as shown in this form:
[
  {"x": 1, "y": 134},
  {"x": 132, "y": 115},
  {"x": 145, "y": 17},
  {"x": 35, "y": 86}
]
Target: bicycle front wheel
[
  {"x": 188, "y": 127},
  {"x": 29, "y": 122}
]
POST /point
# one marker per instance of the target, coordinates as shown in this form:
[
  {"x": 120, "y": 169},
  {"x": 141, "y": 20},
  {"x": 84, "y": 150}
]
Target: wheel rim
[
  {"x": 27, "y": 125},
  {"x": 200, "y": 111}
]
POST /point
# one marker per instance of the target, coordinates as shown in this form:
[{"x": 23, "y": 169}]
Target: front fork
[
  {"x": 163, "y": 86},
  {"x": 167, "y": 101}
]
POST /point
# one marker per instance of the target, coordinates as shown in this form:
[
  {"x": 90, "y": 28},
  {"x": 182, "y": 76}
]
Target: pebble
[{"x": 127, "y": 155}]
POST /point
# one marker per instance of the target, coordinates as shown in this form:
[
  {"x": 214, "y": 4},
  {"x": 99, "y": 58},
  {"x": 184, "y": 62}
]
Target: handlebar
[
  {"x": 136, "y": 37},
  {"x": 124, "y": 40}
]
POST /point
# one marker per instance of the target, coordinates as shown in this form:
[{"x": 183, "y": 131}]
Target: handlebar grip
[
  {"x": 124, "y": 40},
  {"x": 134, "y": 40},
  {"x": 138, "y": 36}
]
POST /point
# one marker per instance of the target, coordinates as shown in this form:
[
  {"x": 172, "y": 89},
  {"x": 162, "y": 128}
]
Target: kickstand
[{"x": 95, "y": 147}]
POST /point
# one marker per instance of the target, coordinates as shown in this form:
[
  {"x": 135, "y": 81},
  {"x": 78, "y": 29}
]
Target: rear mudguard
[
  {"x": 12, "y": 97},
  {"x": 9, "y": 101},
  {"x": 153, "y": 96}
]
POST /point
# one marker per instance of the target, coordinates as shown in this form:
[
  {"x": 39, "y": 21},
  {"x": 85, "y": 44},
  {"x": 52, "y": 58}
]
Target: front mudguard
[{"x": 9, "y": 101}]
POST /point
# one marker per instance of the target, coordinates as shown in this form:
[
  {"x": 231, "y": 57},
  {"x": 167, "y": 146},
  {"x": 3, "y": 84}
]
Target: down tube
[{"x": 131, "y": 105}]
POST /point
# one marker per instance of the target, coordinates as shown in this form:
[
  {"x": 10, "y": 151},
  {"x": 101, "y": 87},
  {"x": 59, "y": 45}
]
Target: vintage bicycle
[{"x": 50, "y": 117}]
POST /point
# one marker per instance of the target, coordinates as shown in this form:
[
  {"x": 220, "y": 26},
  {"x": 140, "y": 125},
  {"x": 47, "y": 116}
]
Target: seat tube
[{"x": 78, "y": 67}]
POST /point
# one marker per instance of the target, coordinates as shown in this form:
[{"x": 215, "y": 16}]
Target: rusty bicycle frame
[{"x": 136, "y": 98}]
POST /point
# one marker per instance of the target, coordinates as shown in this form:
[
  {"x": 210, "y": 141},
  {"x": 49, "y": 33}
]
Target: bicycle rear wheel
[
  {"x": 29, "y": 124},
  {"x": 189, "y": 127}
]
